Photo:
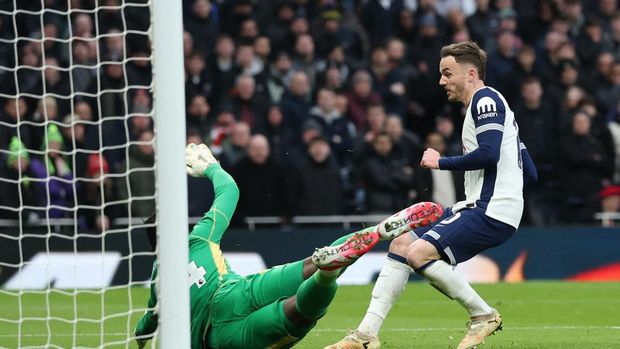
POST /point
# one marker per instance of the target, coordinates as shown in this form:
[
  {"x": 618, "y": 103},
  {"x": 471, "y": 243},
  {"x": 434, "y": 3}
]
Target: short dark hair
[{"x": 467, "y": 52}]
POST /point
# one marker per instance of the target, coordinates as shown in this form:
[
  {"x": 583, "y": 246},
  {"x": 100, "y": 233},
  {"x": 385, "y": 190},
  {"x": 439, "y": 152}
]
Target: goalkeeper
[{"x": 272, "y": 309}]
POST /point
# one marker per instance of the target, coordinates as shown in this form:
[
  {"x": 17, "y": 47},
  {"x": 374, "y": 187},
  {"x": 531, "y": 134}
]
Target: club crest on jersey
[{"x": 486, "y": 107}]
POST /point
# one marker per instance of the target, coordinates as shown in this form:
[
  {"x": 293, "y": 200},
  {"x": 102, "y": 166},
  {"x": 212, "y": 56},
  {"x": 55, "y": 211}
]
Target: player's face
[{"x": 453, "y": 78}]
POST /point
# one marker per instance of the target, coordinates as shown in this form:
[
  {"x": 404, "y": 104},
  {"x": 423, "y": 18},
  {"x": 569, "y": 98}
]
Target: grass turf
[{"x": 536, "y": 315}]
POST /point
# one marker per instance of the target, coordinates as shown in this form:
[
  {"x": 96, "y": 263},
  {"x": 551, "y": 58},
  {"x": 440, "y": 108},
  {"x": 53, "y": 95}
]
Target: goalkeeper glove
[{"x": 197, "y": 159}]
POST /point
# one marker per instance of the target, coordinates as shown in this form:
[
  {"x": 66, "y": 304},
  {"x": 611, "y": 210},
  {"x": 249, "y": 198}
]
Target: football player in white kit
[{"x": 496, "y": 164}]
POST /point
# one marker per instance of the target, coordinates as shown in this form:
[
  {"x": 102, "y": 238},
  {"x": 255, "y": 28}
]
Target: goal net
[{"x": 77, "y": 171}]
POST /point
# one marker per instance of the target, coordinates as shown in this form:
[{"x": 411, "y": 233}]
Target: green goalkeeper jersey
[{"x": 207, "y": 270}]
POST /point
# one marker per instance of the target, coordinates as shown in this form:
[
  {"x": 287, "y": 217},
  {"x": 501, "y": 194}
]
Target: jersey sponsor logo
[{"x": 486, "y": 108}]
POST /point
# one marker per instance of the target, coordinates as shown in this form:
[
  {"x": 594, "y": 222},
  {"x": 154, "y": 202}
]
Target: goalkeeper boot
[
  {"x": 356, "y": 340},
  {"x": 479, "y": 328},
  {"x": 415, "y": 216},
  {"x": 339, "y": 256}
]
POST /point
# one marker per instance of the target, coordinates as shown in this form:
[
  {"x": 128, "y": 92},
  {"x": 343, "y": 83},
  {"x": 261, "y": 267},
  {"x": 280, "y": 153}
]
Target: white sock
[
  {"x": 447, "y": 280},
  {"x": 390, "y": 284}
]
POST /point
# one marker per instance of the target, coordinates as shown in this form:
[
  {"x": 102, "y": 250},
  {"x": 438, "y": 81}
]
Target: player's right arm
[{"x": 201, "y": 163}]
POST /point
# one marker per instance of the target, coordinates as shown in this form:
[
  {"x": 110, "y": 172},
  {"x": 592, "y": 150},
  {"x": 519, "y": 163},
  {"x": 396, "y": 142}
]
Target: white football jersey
[{"x": 497, "y": 187}]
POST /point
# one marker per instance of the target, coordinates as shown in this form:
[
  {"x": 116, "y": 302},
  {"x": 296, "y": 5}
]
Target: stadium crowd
[{"x": 316, "y": 107}]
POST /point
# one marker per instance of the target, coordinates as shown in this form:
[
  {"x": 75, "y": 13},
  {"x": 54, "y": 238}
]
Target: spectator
[
  {"x": 334, "y": 70},
  {"x": 140, "y": 121},
  {"x": 442, "y": 187},
  {"x": 584, "y": 158},
  {"x": 220, "y": 130},
  {"x": 85, "y": 70},
  {"x": 332, "y": 33},
  {"x": 247, "y": 105},
  {"x": 96, "y": 190},
  {"x": 12, "y": 117},
  {"x": 425, "y": 96},
  {"x": 47, "y": 110},
  {"x": 305, "y": 58},
  {"x": 296, "y": 155},
  {"x": 222, "y": 67},
  {"x": 502, "y": 66},
  {"x": 248, "y": 64},
  {"x": 84, "y": 111},
  {"x": 139, "y": 180},
  {"x": 525, "y": 59},
  {"x": 16, "y": 188},
  {"x": 262, "y": 50},
  {"x": 614, "y": 129},
  {"x": 396, "y": 51},
  {"x": 56, "y": 176},
  {"x": 388, "y": 81},
  {"x": 198, "y": 115},
  {"x": 445, "y": 127},
  {"x": 615, "y": 35},
  {"x": 233, "y": 14},
  {"x": 234, "y": 150},
  {"x": 57, "y": 82},
  {"x": 197, "y": 79},
  {"x": 248, "y": 31},
  {"x": 609, "y": 94},
  {"x": 379, "y": 18},
  {"x": 261, "y": 180},
  {"x": 610, "y": 202},
  {"x": 295, "y": 102},
  {"x": 316, "y": 187},
  {"x": 591, "y": 42},
  {"x": 280, "y": 73},
  {"x": 406, "y": 143},
  {"x": 277, "y": 29},
  {"x": 406, "y": 27},
  {"x": 74, "y": 138},
  {"x": 537, "y": 126},
  {"x": 338, "y": 131},
  {"x": 360, "y": 97},
  {"x": 482, "y": 22},
  {"x": 281, "y": 137},
  {"x": 388, "y": 180},
  {"x": 202, "y": 25}
]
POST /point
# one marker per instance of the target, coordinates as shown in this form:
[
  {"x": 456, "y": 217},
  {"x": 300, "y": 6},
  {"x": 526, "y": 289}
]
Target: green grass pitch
[{"x": 536, "y": 315}]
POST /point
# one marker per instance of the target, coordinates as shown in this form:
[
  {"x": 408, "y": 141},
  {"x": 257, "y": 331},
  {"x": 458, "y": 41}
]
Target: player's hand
[
  {"x": 430, "y": 159},
  {"x": 197, "y": 159}
]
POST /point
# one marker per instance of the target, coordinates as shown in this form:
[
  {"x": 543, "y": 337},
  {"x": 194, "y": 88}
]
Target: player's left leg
[{"x": 455, "y": 240}]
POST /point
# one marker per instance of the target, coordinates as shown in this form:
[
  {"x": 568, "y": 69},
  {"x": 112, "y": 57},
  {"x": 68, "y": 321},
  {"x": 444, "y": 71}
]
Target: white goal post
[
  {"x": 92, "y": 128},
  {"x": 172, "y": 180}
]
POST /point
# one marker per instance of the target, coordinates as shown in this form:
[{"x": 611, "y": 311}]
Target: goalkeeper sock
[
  {"x": 315, "y": 294},
  {"x": 390, "y": 284},
  {"x": 443, "y": 277}
]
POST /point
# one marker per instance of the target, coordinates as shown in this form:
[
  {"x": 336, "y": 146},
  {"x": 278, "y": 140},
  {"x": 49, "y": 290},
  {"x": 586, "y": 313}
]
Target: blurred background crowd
[{"x": 316, "y": 107}]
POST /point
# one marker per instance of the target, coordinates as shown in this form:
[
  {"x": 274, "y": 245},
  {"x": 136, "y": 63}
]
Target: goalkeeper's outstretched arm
[{"x": 201, "y": 163}]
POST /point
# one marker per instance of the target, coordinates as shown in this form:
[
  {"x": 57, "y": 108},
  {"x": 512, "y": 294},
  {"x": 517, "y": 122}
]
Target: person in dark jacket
[
  {"x": 585, "y": 162},
  {"x": 387, "y": 178},
  {"x": 261, "y": 180},
  {"x": 316, "y": 184}
]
